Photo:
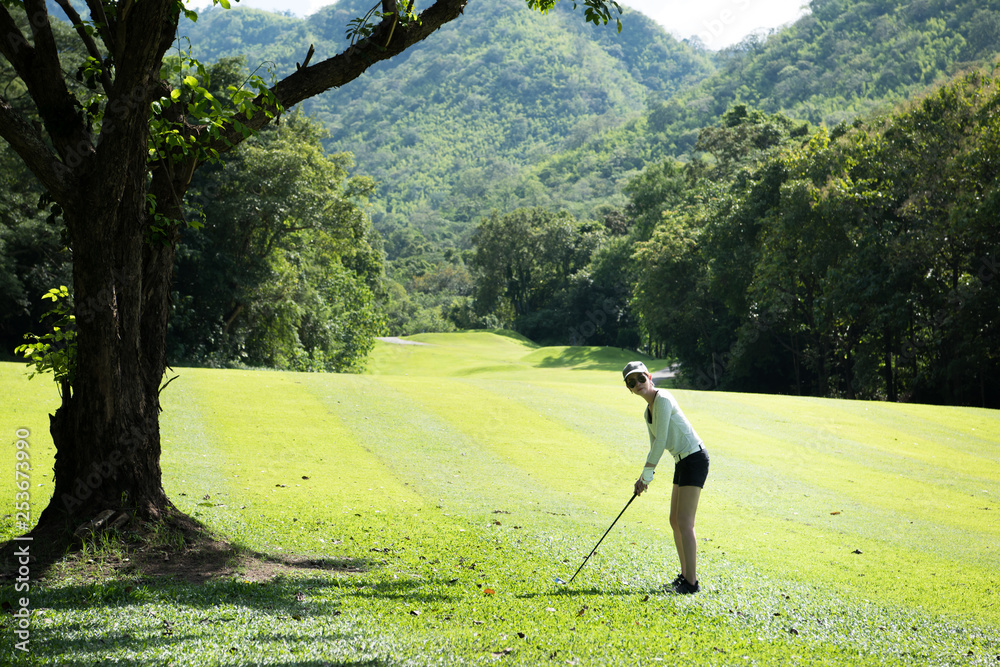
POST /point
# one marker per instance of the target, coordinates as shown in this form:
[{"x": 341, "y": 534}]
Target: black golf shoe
[{"x": 686, "y": 588}]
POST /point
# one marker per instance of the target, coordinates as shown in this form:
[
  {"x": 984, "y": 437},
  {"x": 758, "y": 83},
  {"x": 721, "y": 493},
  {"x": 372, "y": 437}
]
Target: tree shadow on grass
[
  {"x": 285, "y": 611},
  {"x": 586, "y": 358},
  {"x": 152, "y": 636},
  {"x": 192, "y": 563},
  {"x": 178, "y": 547}
]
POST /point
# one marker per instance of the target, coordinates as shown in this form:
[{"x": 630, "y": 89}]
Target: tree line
[
  {"x": 856, "y": 262},
  {"x": 859, "y": 261},
  {"x": 278, "y": 267},
  {"x": 775, "y": 257}
]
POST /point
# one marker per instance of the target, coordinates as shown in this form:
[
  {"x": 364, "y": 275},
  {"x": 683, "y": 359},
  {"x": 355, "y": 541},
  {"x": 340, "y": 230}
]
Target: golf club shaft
[{"x": 634, "y": 496}]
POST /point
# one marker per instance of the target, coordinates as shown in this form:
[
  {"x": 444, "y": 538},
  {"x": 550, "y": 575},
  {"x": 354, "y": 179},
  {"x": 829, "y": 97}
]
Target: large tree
[{"x": 118, "y": 165}]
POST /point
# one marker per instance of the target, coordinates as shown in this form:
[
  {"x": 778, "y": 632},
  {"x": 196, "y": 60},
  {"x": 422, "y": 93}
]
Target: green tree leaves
[
  {"x": 55, "y": 350},
  {"x": 527, "y": 270},
  {"x": 862, "y": 266},
  {"x": 598, "y": 12},
  {"x": 286, "y": 270}
]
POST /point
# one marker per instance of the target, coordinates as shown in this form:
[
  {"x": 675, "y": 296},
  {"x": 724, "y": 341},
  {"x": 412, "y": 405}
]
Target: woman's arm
[{"x": 661, "y": 413}]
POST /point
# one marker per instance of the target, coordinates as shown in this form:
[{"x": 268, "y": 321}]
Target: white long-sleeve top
[{"x": 669, "y": 431}]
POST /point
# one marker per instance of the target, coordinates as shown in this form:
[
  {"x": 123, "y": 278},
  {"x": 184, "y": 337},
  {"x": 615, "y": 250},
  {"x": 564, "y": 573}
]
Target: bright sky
[{"x": 719, "y": 23}]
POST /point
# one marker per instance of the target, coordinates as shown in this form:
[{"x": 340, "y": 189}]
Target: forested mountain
[
  {"x": 844, "y": 59},
  {"x": 449, "y": 129},
  {"x": 506, "y": 108}
]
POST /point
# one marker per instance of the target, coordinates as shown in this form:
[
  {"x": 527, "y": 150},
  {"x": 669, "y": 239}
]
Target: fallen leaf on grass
[
  {"x": 834, "y": 513},
  {"x": 489, "y": 591},
  {"x": 501, "y": 653},
  {"x": 580, "y": 613}
]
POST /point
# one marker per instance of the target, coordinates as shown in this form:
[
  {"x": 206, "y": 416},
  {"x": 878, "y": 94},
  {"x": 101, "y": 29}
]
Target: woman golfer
[{"x": 671, "y": 432}]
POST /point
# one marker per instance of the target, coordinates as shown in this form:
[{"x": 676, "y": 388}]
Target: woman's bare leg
[{"x": 683, "y": 507}]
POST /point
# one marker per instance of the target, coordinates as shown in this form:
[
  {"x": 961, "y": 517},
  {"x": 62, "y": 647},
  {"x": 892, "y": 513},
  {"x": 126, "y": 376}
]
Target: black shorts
[{"x": 692, "y": 470}]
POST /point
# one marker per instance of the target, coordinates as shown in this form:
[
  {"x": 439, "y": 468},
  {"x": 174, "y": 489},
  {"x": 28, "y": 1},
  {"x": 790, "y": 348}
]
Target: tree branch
[
  {"x": 13, "y": 44},
  {"x": 39, "y": 68},
  {"x": 334, "y": 72},
  {"x": 28, "y": 143},
  {"x": 88, "y": 42},
  {"x": 104, "y": 26}
]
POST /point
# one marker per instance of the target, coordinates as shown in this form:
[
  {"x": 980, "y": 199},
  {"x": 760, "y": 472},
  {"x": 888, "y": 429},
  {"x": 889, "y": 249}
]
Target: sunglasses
[{"x": 633, "y": 380}]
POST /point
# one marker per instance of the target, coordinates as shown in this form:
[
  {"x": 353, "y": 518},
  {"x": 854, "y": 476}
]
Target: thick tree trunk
[
  {"x": 106, "y": 432},
  {"x": 891, "y": 393}
]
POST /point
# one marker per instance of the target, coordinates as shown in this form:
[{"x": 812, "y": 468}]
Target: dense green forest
[
  {"x": 451, "y": 129},
  {"x": 859, "y": 263},
  {"x": 810, "y": 211}
]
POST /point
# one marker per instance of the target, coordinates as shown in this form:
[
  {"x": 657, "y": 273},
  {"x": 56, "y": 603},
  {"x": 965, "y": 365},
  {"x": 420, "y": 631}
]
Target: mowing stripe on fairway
[
  {"x": 542, "y": 447},
  {"x": 414, "y": 445},
  {"x": 280, "y": 451},
  {"x": 407, "y": 466}
]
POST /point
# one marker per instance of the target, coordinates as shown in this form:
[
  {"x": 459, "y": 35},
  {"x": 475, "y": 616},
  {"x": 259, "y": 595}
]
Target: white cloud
[{"x": 719, "y": 23}]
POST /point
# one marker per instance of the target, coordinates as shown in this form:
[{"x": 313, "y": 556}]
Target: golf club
[{"x": 559, "y": 580}]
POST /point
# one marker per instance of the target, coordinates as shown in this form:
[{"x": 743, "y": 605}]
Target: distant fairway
[{"x": 832, "y": 532}]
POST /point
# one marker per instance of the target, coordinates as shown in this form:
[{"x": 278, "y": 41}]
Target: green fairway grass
[{"x": 441, "y": 493}]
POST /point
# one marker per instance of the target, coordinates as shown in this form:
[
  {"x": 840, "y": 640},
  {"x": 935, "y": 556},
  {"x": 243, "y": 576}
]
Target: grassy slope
[{"x": 478, "y": 461}]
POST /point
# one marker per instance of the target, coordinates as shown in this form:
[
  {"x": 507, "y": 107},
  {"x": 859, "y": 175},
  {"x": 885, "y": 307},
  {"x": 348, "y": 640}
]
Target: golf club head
[{"x": 560, "y": 581}]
